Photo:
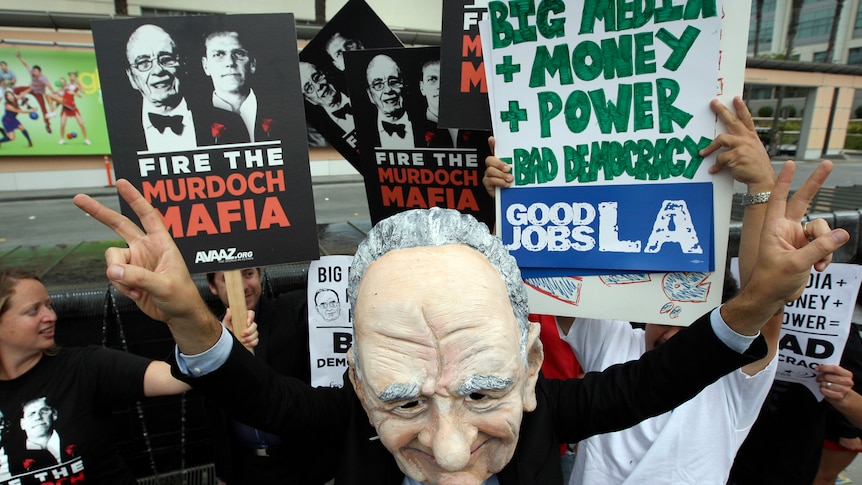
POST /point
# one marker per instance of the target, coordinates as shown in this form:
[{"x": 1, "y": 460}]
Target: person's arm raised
[
  {"x": 745, "y": 158},
  {"x": 152, "y": 272},
  {"x": 743, "y": 155},
  {"x": 786, "y": 253}
]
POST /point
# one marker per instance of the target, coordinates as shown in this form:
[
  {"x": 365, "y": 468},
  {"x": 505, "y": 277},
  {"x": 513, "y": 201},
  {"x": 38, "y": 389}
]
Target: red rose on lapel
[
  {"x": 429, "y": 135},
  {"x": 218, "y": 130},
  {"x": 266, "y": 124}
]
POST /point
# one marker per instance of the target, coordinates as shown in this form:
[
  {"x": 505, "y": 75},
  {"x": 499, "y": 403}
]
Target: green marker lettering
[
  {"x": 544, "y": 62},
  {"x": 599, "y": 158},
  {"x": 668, "y": 12},
  {"x": 522, "y": 9},
  {"x": 551, "y": 29},
  {"x": 598, "y": 10},
  {"x": 574, "y": 163},
  {"x": 613, "y": 115},
  {"x": 642, "y": 106},
  {"x": 667, "y": 90},
  {"x": 502, "y": 32},
  {"x": 584, "y": 71},
  {"x": 550, "y": 106},
  {"x": 521, "y": 167},
  {"x": 644, "y": 59},
  {"x": 700, "y": 8},
  {"x": 617, "y": 58},
  {"x": 641, "y": 13},
  {"x": 549, "y": 168},
  {"x": 644, "y": 156},
  {"x": 693, "y": 150},
  {"x": 578, "y": 111},
  {"x": 679, "y": 47},
  {"x": 534, "y": 166}
]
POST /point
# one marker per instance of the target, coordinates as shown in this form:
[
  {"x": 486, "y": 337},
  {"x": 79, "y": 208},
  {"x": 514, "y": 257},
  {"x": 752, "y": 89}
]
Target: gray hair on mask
[{"x": 439, "y": 227}]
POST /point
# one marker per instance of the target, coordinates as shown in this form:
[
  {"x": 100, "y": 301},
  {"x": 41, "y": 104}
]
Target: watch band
[{"x": 758, "y": 198}]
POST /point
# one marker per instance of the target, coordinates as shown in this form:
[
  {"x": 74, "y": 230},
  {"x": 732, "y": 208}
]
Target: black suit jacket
[
  {"x": 283, "y": 347},
  {"x": 567, "y": 411},
  {"x": 224, "y": 126},
  {"x": 435, "y": 137},
  {"x": 269, "y": 122}
]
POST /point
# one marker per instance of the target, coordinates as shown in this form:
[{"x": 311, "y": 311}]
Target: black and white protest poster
[
  {"x": 323, "y": 75},
  {"x": 463, "y": 88},
  {"x": 408, "y": 162},
  {"x": 205, "y": 119},
  {"x": 815, "y": 326},
  {"x": 330, "y": 329},
  {"x": 602, "y": 114}
]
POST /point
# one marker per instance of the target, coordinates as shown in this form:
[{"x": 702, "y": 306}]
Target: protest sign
[
  {"x": 205, "y": 120},
  {"x": 618, "y": 104},
  {"x": 330, "y": 329},
  {"x": 582, "y": 98},
  {"x": 815, "y": 326},
  {"x": 407, "y": 161},
  {"x": 463, "y": 88},
  {"x": 324, "y": 78},
  {"x": 81, "y": 127}
]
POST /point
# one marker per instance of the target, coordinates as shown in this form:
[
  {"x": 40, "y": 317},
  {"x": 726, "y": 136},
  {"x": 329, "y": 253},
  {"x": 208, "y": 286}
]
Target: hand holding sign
[
  {"x": 236, "y": 298},
  {"x": 745, "y": 156},
  {"x": 151, "y": 271},
  {"x": 835, "y": 382},
  {"x": 249, "y": 336}
]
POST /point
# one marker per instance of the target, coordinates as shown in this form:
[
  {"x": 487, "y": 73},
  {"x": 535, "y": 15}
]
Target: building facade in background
[{"x": 816, "y": 20}]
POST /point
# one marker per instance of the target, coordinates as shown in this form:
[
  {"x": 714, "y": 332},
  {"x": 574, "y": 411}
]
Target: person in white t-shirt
[{"x": 696, "y": 442}]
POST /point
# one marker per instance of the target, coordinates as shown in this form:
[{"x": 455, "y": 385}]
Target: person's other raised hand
[{"x": 151, "y": 270}]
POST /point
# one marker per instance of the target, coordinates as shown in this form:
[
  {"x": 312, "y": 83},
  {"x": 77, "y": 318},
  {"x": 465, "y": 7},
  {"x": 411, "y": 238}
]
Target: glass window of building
[{"x": 815, "y": 25}]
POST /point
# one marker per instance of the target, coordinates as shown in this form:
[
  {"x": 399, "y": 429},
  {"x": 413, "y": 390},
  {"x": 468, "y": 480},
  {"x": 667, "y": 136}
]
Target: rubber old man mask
[{"x": 444, "y": 365}]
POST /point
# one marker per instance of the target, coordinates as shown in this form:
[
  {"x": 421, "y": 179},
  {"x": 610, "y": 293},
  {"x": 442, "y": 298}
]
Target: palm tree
[
  {"x": 758, "y": 18},
  {"x": 121, "y": 7},
  {"x": 795, "y": 9},
  {"x": 320, "y": 12},
  {"x": 839, "y": 5}
]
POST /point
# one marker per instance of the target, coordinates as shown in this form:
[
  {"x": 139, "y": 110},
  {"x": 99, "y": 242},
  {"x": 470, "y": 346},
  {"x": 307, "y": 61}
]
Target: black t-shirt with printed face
[{"x": 58, "y": 417}]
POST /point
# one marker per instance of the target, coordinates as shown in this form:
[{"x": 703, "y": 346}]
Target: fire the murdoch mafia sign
[{"x": 205, "y": 117}]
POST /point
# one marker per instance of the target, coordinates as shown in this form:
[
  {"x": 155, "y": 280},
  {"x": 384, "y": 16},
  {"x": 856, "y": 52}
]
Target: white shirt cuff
[
  {"x": 207, "y": 361},
  {"x": 735, "y": 341}
]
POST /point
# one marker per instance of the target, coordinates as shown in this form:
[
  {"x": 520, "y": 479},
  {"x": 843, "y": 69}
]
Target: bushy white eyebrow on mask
[
  {"x": 480, "y": 383},
  {"x": 399, "y": 392}
]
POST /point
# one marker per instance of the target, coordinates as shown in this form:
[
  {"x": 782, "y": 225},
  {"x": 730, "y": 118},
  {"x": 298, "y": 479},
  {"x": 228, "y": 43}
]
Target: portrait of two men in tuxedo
[
  {"x": 323, "y": 74},
  {"x": 183, "y": 86}
]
